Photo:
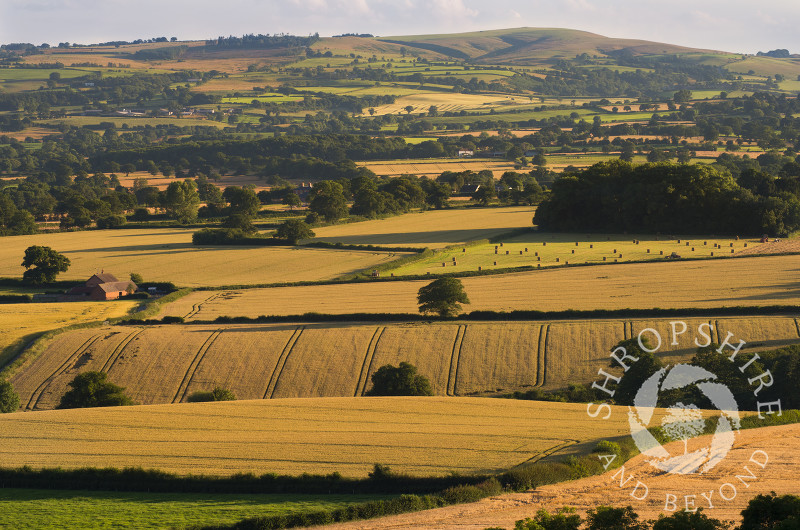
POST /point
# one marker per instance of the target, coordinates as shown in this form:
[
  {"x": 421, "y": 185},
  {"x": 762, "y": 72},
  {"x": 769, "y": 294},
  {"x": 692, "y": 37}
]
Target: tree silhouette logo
[{"x": 684, "y": 421}]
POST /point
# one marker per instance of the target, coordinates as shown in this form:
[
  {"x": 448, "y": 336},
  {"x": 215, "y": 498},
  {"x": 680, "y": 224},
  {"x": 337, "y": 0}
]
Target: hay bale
[
  {"x": 731, "y": 245},
  {"x": 507, "y": 252},
  {"x": 526, "y": 249},
  {"x": 495, "y": 263},
  {"x": 444, "y": 264},
  {"x": 544, "y": 243},
  {"x": 615, "y": 251},
  {"x": 463, "y": 250},
  {"x": 712, "y": 253},
  {"x": 535, "y": 253},
  {"x": 662, "y": 252},
  {"x": 501, "y": 244},
  {"x": 538, "y": 259},
  {"x": 558, "y": 259},
  {"x": 692, "y": 249},
  {"x": 732, "y": 251},
  {"x": 648, "y": 251},
  {"x": 576, "y": 243},
  {"x": 604, "y": 258},
  {"x": 591, "y": 246},
  {"x": 520, "y": 253},
  {"x": 480, "y": 268},
  {"x": 573, "y": 251},
  {"x": 745, "y": 245}
]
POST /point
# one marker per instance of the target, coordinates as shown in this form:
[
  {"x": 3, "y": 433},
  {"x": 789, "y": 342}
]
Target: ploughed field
[
  {"x": 168, "y": 363},
  {"x": 751, "y": 281},
  {"x": 420, "y": 436}
]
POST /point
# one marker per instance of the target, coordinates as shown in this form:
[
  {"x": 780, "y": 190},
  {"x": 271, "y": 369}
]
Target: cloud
[
  {"x": 581, "y": 5},
  {"x": 454, "y": 8}
]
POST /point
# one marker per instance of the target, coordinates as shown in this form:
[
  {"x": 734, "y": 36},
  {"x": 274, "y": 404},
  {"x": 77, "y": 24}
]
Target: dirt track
[{"x": 779, "y": 475}]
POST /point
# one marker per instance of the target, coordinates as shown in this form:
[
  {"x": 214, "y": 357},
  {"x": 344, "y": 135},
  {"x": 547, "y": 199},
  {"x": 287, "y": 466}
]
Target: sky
[{"x": 742, "y": 26}]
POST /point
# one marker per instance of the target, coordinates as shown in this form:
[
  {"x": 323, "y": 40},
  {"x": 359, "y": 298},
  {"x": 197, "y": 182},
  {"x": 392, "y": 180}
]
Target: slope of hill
[
  {"x": 420, "y": 436},
  {"x": 166, "y": 364},
  {"x": 779, "y": 475},
  {"x": 523, "y": 44}
]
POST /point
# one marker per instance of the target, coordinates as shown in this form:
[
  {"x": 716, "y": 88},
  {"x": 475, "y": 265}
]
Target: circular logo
[{"x": 684, "y": 421}]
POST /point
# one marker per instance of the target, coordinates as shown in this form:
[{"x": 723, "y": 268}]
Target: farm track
[
  {"x": 547, "y": 452},
  {"x": 180, "y": 395},
  {"x": 458, "y": 343},
  {"x": 363, "y": 378},
  {"x": 541, "y": 355},
  {"x": 37, "y": 394},
  {"x": 276, "y": 373},
  {"x": 115, "y": 355},
  {"x": 199, "y": 305}
]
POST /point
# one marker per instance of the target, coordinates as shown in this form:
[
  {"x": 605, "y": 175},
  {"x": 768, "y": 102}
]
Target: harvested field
[
  {"x": 755, "y": 281},
  {"x": 168, "y": 255},
  {"x": 19, "y": 320},
  {"x": 420, "y": 436},
  {"x": 432, "y": 229},
  {"x": 789, "y": 246},
  {"x": 549, "y": 250},
  {"x": 779, "y": 476},
  {"x": 166, "y": 364},
  {"x": 395, "y": 168}
]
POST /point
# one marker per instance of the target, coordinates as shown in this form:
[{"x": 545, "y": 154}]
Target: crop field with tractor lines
[
  {"x": 166, "y": 364},
  {"x": 419, "y": 436}
]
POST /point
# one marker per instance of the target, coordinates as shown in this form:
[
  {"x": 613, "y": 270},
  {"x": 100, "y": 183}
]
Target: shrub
[
  {"x": 771, "y": 511},
  {"x": 172, "y": 320},
  {"x": 402, "y": 380},
  {"x": 92, "y": 389},
  {"x": 609, "y": 518},
  {"x": 605, "y": 446},
  {"x": 694, "y": 520},
  {"x": 112, "y": 221},
  {"x": 218, "y": 394},
  {"x": 9, "y": 399}
]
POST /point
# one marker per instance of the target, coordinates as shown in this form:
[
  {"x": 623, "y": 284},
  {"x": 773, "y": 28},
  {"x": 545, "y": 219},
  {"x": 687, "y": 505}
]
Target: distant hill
[{"x": 522, "y": 45}]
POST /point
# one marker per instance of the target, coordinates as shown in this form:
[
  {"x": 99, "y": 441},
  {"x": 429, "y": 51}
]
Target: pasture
[
  {"x": 34, "y": 509},
  {"x": 702, "y": 283},
  {"x": 538, "y": 249},
  {"x": 168, "y": 255},
  {"x": 432, "y": 228},
  {"x": 418, "y": 436},
  {"x": 19, "y": 320},
  {"x": 167, "y": 364}
]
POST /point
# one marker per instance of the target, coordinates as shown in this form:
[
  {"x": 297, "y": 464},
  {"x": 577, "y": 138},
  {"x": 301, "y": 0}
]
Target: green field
[
  {"x": 34, "y": 509},
  {"x": 548, "y": 250}
]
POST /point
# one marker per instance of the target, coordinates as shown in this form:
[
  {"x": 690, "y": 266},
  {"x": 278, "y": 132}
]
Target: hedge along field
[
  {"x": 432, "y": 229},
  {"x": 168, "y": 255},
  {"x": 167, "y": 364},
  {"x": 680, "y": 284},
  {"x": 34, "y": 509},
  {"x": 419, "y": 436},
  {"x": 548, "y": 250},
  {"x": 19, "y": 320}
]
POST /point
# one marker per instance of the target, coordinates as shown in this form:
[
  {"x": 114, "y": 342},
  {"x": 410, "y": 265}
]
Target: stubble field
[{"x": 752, "y": 281}]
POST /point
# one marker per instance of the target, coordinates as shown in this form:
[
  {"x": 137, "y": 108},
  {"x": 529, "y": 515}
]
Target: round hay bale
[
  {"x": 558, "y": 259},
  {"x": 591, "y": 246},
  {"x": 520, "y": 253},
  {"x": 573, "y": 251},
  {"x": 480, "y": 268},
  {"x": 538, "y": 259},
  {"x": 507, "y": 252},
  {"x": 495, "y": 263},
  {"x": 745, "y": 245},
  {"x": 604, "y": 258},
  {"x": 732, "y": 251},
  {"x": 535, "y": 253}
]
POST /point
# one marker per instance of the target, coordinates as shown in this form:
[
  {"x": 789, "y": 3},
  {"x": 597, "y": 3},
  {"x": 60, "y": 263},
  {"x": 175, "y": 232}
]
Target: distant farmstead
[{"x": 102, "y": 286}]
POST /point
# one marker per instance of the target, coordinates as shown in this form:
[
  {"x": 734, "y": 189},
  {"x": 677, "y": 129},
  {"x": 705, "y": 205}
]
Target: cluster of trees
[
  {"x": 667, "y": 198},
  {"x": 261, "y": 42}
]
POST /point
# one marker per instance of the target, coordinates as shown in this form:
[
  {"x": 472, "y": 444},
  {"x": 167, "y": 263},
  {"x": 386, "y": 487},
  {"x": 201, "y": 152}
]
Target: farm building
[{"x": 102, "y": 286}]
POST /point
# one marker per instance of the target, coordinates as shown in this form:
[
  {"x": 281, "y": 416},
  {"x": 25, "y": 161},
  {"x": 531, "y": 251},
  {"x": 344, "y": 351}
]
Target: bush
[
  {"x": 92, "y": 389},
  {"x": 771, "y": 511},
  {"x": 172, "y": 320},
  {"x": 402, "y": 380},
  {"x": 112, "y": 221},
  {"x": 218, "y": 236},
  {"x": 605, "y": 446},
  {"x": 608, "y": 518},
  {"x": 218, "y": 394},
  {"x": 141, "y": 214},
  {"x": 694, "y": 520},
  {"x": 9, "y": 399}
]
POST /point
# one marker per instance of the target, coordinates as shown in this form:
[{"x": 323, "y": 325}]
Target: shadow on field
[{"x": 781, "y": 292}]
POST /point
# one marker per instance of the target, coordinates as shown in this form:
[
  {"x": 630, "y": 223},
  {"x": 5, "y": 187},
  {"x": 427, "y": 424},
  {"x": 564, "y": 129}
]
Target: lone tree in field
[
  {"x": 93, "y": 389},
  {"x": 43, "y": 264},
  {"x": 9, "y": 400},
  {"x": 402, "y": 380},
  {"x": 218, "y": 394},
  {"x": 443, "y": 296},
  {"x": 293, "y": 230}
]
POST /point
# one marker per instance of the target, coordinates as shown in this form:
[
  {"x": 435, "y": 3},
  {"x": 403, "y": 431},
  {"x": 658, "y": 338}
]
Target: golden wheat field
[
  {"x": 537, "y": 249},
  {"x": 395, "y": 168},
  {"x": 756, "y": 281},
  {"x": 432, "y": 229},
  {"x": 420, "y": 436},
  {"x": 167, "y": 364},
  {"x": 19, "y": 320},
  {"x": 168, "y": 255}
]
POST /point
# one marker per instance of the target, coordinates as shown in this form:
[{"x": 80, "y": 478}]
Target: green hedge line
[{"x": 15, "y": 298}]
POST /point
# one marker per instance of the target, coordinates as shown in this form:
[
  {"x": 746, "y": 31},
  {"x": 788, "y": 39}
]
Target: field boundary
[
  {"x": 198, "y": 358},
  {"x": 797, "y": 325},
  {"x": 455, "y": 357},
  {"x": 363, "y": 377},
  {"x": 37, "y": 394},
  {"x": 281, "y": 363},
  {"x": 547, "y": 452},
  {"x": 115, "y": 354},
  {"x": 199, "y": 305}
]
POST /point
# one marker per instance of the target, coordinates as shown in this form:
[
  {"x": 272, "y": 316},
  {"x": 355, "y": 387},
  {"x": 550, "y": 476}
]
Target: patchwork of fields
[
  {"x": 166, "y": 364},
  {"x": 752, "y": 281},
  {"x": 169, "y": 255},
  {"x": 420, "y": 436}
]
